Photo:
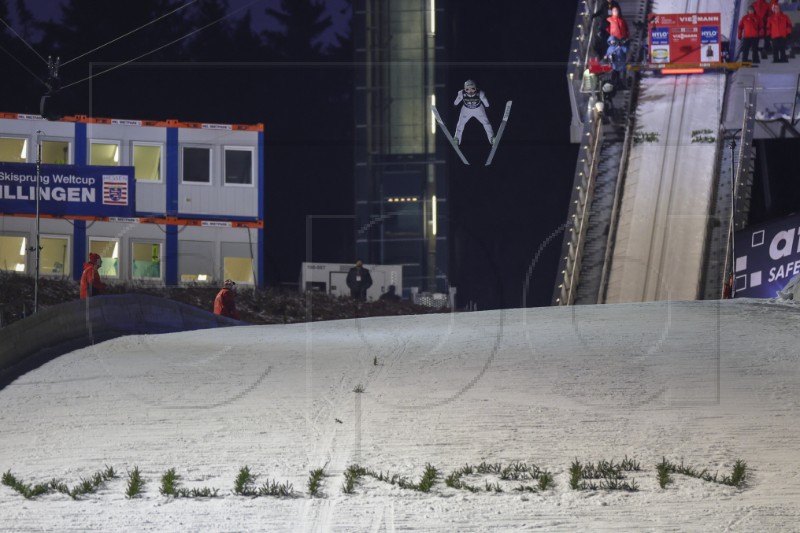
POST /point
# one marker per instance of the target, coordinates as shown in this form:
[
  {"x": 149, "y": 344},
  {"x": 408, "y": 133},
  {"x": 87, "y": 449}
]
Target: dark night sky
[
  {"x": 503, "y": 214},
  {"x": 49, "y": 10},
  {"x": 499, "y": 216}
]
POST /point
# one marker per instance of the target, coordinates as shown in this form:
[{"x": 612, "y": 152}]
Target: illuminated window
[
  {"x": 146, "y": 257},
  {"x": 237, "y": 262},
  {"x": 238, "y": 166},
  {"x": 54, "y": 258},
  {"x": 147, "y": 161},
  {"x": 196, "y": 164},
  {"x": 13, "y": 150},
  {"x": 104, "y": 153},
  {"x": 108, "y": 250},
  {"x": 13, "y": 253},
  {"x": 239, "y": 269},
  {"x": 55, "y": 152}
]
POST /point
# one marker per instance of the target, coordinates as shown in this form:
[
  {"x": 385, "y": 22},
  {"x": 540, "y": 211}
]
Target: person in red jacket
[
  {"x": 601, "y": 35},
  {"x": 750, "y": 30},
  {"x": 762, "y": 9},
  {"x": 617, "y": 27},
  {"x": 91, "y": 285},
  {"x": 225, "y": 302},
  {"x": 779, "y": 27}
]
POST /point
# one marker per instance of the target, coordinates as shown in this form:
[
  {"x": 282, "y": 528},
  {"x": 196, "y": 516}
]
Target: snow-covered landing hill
[{"x": 703, "y": 383}]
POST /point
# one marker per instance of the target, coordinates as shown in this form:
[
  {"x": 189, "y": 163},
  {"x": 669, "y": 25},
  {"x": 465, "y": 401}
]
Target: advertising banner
[
  {"x": 66, "y": 190},
  {"x": 685, "y": 38},
  {"x": 767, "y": 256}
]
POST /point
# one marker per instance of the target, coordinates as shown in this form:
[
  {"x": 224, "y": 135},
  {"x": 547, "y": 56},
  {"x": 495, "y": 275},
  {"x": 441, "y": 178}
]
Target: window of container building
[
  {"x": 196, "y": 261},
  {"x": 238, "y": 166},
  {"x": 13, "y": 252},
  {"x": 237, "y": 262},
  {"x": 196, "y": 164},
  {"x": 13, "y": 150},
  {"x": 55, "y": 152},
  {"x": 104, "y": 153},
  {"x": 54, "y": 258},
  {"x": 147, "y": 161},
  {"x": 108, "y": 250},
  {"x": 146, "y": 257}
]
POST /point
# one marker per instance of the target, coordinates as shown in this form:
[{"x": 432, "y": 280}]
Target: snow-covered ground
[{"x": 703, "y": 383}]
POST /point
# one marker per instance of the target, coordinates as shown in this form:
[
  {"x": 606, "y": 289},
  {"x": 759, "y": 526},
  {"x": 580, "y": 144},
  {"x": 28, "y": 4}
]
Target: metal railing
[
  {"x": 742, "y": 183},
  {"x": 580, "y": 208}
]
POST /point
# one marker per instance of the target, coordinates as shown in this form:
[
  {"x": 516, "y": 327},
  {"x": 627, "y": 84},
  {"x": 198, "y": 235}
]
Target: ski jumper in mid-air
[{"x": 475, "y": 103}]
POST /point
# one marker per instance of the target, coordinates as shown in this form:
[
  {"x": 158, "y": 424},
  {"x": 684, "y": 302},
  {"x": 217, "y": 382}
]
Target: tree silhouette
[
  {"x": 24, "y": 72},
  {"x": 303, "y": 22},
  {"x": 25, "y": 18}
]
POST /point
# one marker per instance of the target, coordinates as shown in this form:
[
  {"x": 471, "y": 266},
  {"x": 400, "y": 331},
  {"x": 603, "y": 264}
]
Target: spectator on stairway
[
  {"x": 607, "y": 93},
  {"x": 779, "y": 27},
  {"x": 604, "y": 11},
  {"x": 617, "y": 27},
  {"x": 91, "y": 284},
  {"x": 617, "y": 56},
  {"x": 750, "y": 29}
]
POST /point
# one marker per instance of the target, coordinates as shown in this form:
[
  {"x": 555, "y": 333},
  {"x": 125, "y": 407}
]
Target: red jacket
[
  {"x": 750, "y": 26},
  {"x": 225, "y": 304},
  {"x": 90, "y": 281},
  {"x": 618, "y": 27},
  {"x": 779, "y": 25},
  {"x": 762, "y": 10}
]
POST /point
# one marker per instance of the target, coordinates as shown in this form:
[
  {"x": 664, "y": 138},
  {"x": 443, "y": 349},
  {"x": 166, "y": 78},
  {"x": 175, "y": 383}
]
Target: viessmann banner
[
  {"x": 767, "y": 257},
  {"x": 685, "y": 38},
  {"x": 67, "y": 190}
]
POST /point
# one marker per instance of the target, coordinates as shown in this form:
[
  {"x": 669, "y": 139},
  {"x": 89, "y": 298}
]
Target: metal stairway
[{"x": 607, "y": 135}]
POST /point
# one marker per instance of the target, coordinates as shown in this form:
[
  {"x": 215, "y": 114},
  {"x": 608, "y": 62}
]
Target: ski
[
  {"x": 499, "y": 133},
  {"x": 447, "y": 134}
]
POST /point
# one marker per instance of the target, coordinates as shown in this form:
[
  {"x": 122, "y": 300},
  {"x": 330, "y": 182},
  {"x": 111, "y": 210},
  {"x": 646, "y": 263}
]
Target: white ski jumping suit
[{"x": 473, "y": 107}]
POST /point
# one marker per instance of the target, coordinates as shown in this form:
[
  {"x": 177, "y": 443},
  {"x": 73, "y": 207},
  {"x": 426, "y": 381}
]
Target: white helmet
[
  {"x": 608, "y": 87},
  {"x": 469, "y": 83}
]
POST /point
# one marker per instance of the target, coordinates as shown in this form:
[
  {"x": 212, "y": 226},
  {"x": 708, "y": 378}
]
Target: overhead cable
[
  {"x": 129, "y": 33},
  {"x": 163, "y": 46},
  {"x": 23, "y": 40},
  {"x": 23, "y": 66}
]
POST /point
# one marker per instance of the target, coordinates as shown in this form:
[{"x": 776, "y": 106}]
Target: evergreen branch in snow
[
  {"x": 315, "y": 481},
  {"x": 135, "y": 483}
]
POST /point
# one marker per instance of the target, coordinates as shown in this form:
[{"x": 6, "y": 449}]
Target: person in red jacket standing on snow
[
  {"x": 779, "y": 27},
  {"x": 762, "y": 9},
  {"x": 91, "y": 285},
  {"x": 225, "y": 302},
  {"x": 750, "y": 29},
  {"x": 617, "y": 27}
]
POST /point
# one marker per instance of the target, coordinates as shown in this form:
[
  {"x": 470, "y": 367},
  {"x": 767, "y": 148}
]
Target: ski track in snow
[{"x": 701, "y": 382}]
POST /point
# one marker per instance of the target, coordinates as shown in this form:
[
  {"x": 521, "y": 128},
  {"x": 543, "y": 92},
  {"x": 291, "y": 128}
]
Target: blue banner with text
[
  {"x": 66, "y": 190},
  {"x": 767, "y": 257}
]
